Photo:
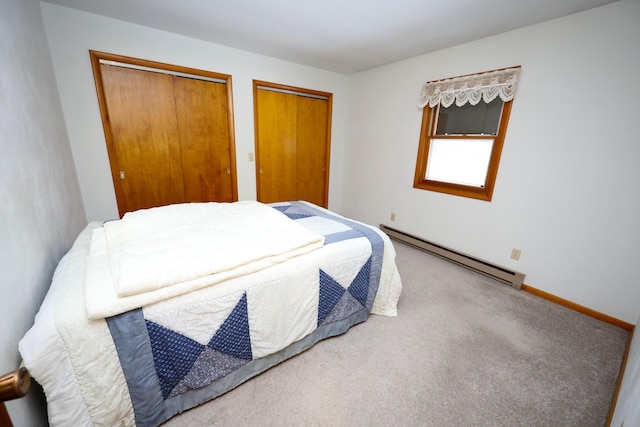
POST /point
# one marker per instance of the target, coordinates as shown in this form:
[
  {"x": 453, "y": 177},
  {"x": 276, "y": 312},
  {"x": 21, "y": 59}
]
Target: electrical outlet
[
  {"x": 515, "y": 254},
  {"x": 393, "y": 216}
]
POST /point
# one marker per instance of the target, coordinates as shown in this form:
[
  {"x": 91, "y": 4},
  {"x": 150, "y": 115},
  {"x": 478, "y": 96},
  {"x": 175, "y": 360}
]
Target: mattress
[{"x": 146, "y": 364}]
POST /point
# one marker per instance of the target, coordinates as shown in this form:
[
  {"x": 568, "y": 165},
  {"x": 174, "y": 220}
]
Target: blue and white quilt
[{"x": 166, "y": 357}]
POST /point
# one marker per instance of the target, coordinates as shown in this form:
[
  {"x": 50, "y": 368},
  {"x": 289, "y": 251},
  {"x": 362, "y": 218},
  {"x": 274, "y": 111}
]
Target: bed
[{"x": 149, "y": 316}]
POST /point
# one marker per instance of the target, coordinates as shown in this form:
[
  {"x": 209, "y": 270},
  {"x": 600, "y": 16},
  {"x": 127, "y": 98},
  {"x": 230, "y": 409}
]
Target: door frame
[
  {"x": 277, "y": 87},
  {"x": 98, "y": 57}
]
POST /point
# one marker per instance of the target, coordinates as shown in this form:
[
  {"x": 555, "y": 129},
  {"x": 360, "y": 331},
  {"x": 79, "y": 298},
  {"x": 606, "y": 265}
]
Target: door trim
[
  {"x": 293, "y": 92},
  {"x": 162, "y": 71}
]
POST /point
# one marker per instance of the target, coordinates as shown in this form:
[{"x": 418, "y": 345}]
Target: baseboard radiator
[{"x": 509, "y": 277}]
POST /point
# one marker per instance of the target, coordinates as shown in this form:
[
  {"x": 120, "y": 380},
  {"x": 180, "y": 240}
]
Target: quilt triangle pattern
[
  {"x": 233, "y": 337},
  {"x": 345, "y": 307},
  {"x": 184, "y": 364},
  {"x": 173, "y": 355},
  {"x": 359, "y": 287},
  {"x": 210, "y": 365},
  {"x": 335, "y": 302},
  {"x": 293, "y": 212},
  {"x": 330, "y": 293}
]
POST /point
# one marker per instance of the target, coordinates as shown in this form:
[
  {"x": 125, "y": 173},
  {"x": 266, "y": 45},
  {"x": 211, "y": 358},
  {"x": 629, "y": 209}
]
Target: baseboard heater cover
[{"x": 510, "y": 277}]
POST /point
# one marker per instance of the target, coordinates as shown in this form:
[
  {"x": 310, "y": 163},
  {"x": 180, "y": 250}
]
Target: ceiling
[{"x": 343, "y": 36}]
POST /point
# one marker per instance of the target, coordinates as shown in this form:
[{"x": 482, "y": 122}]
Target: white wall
[
  {"x": 41, "y": 209},
  {"x": 72, "y": 34},
  {"x": 568, "y": 190}
]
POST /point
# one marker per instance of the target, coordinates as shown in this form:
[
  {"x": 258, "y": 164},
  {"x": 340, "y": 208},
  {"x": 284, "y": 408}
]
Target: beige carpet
[{"x": 464, "y": 351}]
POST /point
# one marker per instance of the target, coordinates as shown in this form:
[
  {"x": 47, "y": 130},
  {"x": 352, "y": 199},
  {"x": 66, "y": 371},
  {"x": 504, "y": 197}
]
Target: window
[{"x": 463, "y": 128}]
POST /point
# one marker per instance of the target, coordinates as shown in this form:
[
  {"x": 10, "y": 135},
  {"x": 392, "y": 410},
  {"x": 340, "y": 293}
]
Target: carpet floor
[{"x": 465, "y": 350}]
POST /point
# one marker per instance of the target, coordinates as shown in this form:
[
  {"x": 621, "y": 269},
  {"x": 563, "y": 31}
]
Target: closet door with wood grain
[
  {"x": 201, "y": 110},
  {"x": 292, "y": 143},
  {"x": 276, "y": 146},
  {"x": 144, "y": 138},
  {"x": 312, "y": 153},
  {"x": 169, "y": 132}
]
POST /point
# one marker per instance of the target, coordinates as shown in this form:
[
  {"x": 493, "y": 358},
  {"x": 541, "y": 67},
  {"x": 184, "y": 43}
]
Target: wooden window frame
[{"x": 427, "y": 132}]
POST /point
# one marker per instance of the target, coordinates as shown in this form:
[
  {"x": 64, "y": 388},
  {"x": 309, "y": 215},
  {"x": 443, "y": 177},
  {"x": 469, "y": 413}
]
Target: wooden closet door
[
  {"x": 147, "y": 170},
  {"x": 292, "y": 143},
  {"x": 276, "y": 118},
  {"x": 201, "y": 109},
  {"x": 311, "y": 159}
]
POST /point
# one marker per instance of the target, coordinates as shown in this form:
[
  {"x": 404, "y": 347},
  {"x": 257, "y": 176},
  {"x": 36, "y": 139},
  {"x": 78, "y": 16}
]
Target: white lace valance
[{"x": 472, "y": 88}]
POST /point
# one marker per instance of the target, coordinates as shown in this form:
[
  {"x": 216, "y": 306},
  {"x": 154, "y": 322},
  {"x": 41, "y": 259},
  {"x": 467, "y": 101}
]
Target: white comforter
[{"x": 155, "y": 254}]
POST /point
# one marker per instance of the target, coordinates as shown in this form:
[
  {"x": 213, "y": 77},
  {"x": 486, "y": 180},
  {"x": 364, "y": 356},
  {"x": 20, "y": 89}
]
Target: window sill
[{"x": 484, "y": 194}]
